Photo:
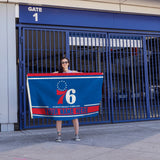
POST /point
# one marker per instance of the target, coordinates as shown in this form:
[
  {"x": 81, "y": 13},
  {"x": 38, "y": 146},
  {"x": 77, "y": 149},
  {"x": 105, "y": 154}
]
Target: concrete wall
[
  {"x": 127, "y": 6},
  {"x": 8, "y": 74}
]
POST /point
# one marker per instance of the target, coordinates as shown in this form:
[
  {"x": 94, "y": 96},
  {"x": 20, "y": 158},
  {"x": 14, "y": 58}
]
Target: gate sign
[
  {"x": 64, "y": 96},
  {"x": 82, "y": 18}
]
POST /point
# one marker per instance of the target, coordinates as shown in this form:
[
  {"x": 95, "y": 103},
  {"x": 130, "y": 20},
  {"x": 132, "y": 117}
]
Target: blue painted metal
[
  {"x": 72, "y": 17},
  {"x": 81, "y": 30},
  {"x": 21, "y": 114},
  {"x": 88, "y": 55},
  {"x": 128, "y": 84},
  {"x": 153, "y": 61},
  {"x": 23, "y": 81},
  {"x": 132, "y": 74},
  {"x": 146, "y": 77}
]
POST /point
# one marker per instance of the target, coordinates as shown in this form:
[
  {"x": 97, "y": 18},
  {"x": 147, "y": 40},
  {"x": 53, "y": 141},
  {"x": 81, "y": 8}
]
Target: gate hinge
[
  {"x": 21, "y": 63},
  {"x": 21, "y": 39},
  {"x": 22, "y": 89},
  {"x": 22, "y": 115}
]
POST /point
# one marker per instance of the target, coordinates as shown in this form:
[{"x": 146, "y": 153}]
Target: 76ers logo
[{"x": 62, "y": 90}]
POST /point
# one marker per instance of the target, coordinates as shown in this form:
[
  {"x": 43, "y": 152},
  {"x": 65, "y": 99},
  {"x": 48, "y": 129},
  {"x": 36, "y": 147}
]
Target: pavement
[{"x": 120, "y": 141}]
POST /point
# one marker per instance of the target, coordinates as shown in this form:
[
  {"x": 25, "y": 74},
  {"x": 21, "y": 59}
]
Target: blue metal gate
[
  {"x": 88, "y": 53},
  {"x": 128, "y": 73},
  {"x": 130, "y": 63},
  {"x": 134, "y": 76},
  {"x": 153, "y": 66},
  {"x": 40, "y": 51}
]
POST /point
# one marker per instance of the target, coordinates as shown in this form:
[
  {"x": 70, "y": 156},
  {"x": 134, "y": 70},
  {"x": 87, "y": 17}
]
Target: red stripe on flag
[
  {"x": 63, "y": 74},
  {"x": 93, "y": 109},
  {"x": 65, "y": 111},
  {"x": 38, "y": 111}
]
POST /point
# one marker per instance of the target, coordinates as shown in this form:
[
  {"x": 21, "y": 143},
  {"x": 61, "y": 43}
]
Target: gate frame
[{"x": 21, "y": 74}]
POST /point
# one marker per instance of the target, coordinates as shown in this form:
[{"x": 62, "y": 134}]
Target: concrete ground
[{"x": 121, "y": 141}]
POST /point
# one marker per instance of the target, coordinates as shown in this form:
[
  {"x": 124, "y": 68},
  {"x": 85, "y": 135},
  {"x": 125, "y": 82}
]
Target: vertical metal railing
[
  {"x": 88, "y": 53},
  {"x": 42, "y": 51},
  {"x": 130, "y": 63},
  {"x": 20, "y": 73},
  {"x": 153, "y": 63},
  {"x": 128, "y": 81}
]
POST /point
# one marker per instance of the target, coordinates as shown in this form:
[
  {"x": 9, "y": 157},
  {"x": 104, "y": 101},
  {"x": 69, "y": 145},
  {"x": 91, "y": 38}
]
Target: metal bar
[
  {"x": 81, "y": 30},
  {"x": 99, "y": 70},
  {"x": 54, "y": 50},
  {"x": 149, "y": 83},
  {"x": 42, "y": 61},
  {"x": 117, "y": 74},
  {"x": 110, "y": 69},
  {"x": 137, "y": 94},
  {"x": 58, "y": 48},
  {"x": 50, "y": 52},
  {"x": 153, "y": 80},
  {"x": 72, "y": 51},
  {"x": 76, "y": 52},
  {"x": 45, "y": 51},
  {"x": 135, "y": 56},
  {"x": 67, "y": 46},
  {"x": 32, "y": 51},
  {"x": 114, "y": 81},
  {"x": 62, "y": 44},
  {"x": 92, "y": 52},
  {"x": 139, "y": 82},
  {"x": 97, "y": 36},
  {"x": 146, "y": 77},
  {"x": 80, "y": 56},
  {"x": 158, "y": 52},
  {"x": 88, "y": 53},
  {"x": 132, "y": 79},
  {"x": 128, "y": 71},
  {"x": 21, "y": 125},
  {"x": 125, "y": 77},
  {"x": 24, "y": 78},
  {"x": 156, "y": 79},
  {"x": 99, "y": 52},
  {"x": 142, "y": 73},
  {"x": 121, "y": 79},
  {"x": 28, "y": 66},
  {"x": 41, "y": 53},
  {"x": 28, "y": 50},
  {"x": 96, "y": 47},
  {"x": 37, "y": 49},
  {"x": 84, "y": 52},
  {"x": 107, "y": 77}
]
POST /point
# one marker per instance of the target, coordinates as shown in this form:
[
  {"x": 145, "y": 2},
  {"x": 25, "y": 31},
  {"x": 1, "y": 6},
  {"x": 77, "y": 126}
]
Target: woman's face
[{"x": 65, "y": 63}]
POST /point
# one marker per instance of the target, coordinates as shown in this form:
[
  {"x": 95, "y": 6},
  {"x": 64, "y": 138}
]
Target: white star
[{"x": 61, "y": 85}]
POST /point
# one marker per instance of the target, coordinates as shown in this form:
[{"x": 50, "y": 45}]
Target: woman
[{"x": 64, "y": 68}]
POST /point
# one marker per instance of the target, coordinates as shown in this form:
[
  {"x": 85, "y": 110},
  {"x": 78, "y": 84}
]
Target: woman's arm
[{"x": 73, "y": 71}]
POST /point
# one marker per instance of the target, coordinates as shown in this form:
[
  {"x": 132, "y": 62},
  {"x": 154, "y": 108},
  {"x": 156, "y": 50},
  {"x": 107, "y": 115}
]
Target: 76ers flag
[{"x": 64, "y": 96}]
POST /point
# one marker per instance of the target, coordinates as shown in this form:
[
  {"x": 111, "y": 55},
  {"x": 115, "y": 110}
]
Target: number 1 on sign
[{"x": 36, "y": 16}]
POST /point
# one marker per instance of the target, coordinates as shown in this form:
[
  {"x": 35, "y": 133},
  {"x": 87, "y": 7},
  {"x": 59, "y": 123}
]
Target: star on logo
[{"x": 61, "y": 85}]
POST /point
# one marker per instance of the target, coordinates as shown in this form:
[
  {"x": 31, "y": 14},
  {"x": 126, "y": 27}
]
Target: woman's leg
[
  {"x": 59, "y": 127},
  {"x": 76, "y": 126}
]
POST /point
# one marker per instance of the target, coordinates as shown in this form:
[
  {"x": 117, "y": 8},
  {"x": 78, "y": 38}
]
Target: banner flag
[{"x": 64, "y": 96}]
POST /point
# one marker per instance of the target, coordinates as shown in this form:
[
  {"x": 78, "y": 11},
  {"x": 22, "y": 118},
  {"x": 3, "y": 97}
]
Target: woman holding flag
[
  {"x": 65, "y": 95},
  {"x": 64, "y": 68}
]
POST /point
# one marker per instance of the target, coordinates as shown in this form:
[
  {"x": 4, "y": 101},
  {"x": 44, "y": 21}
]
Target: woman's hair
[{"x": 61, "y": 68}]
